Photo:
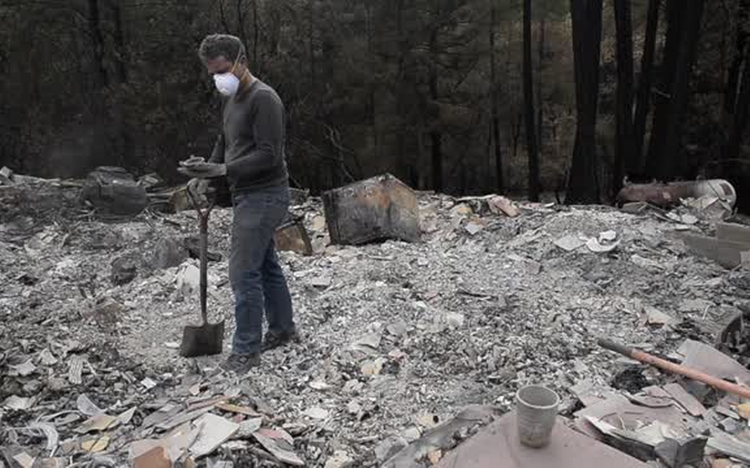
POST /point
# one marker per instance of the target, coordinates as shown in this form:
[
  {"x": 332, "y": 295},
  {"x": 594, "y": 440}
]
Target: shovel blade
[{"x": 203, "y": 340}]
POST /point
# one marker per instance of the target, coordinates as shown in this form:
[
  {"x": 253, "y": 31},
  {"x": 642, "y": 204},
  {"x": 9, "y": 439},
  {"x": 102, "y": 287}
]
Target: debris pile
[{"x": 399, "y": 338}]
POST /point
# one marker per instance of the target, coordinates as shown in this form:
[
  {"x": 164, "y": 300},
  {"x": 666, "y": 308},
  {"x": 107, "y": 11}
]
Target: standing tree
[
  {"x": 683, "y": 31},
  {"x": 494, "y": 100},
  {"x": 539, "y": 84},
  {"x": 583, "y": 181},
  {"x": 624, "y": 148},
  {"x": 436, "y": 135},
  {"x": 532, "y": 148},
  {"x": 643, "y": 102},
  {"x": 737, "y": 93}
]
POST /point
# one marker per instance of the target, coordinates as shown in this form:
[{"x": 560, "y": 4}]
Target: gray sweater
[{"x": 251, "y": 142}]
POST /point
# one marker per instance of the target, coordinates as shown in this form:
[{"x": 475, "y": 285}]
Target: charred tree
[
  {"x": 583, "y": 181},
  {"x": 436, "y": 137},
  {"x": 643, "y": 100},
  {"x": 97, "y": 42},
  {"x": 120, "y": 55},
  {"x": 741, "y": 110},
  {"x": 738, "y": 62},
  {"x": 624, "y": 149},
  {"x": 495, "y": 104},
  {"x": 124, "y": 140},
  {"x": 737, "y": 93},
  {"x": 532, "y": 149},
  {"x": 256, "y": 34},
  {"x": 240, "y": 13},
  {"x": 539, "y": 86},
  {"x": 683, "y": 30}
]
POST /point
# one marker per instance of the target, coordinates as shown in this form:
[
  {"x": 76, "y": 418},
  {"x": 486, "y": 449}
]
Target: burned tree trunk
[
  {"x": 741, "y": 113},
  {"x": 124, "y": 144},
  {"x": 256, "y": 34},
  {"x": 624, "y": 148},
  {"x": 528, "y": 104},
  {"x": 737, "y": 93},
  {"x": 539, "y": 87},
  {"x": 684, "y": 22},
  {"x": 436, "y": 137},
  {"x": 583, "y": 183},
  {"x": 97, "y": 42},
  {"x": 738, "y": 63},
  {"x": 120, "y": 56},
  {"x": 495, "y": 105},
  {"x": 643, "y": 103}
]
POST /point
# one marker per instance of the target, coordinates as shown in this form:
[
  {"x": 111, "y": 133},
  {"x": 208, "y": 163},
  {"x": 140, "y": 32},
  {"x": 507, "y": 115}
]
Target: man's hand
[
  {"x": 200, "y": 169},
  {"x": 198, "y": 188}
]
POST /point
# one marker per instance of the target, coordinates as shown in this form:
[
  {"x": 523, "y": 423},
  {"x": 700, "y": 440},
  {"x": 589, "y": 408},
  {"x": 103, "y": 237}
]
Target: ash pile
[{"x": 421, "y": 314}]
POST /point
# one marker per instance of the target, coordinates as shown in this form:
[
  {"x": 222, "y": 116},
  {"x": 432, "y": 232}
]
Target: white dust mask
[{"x": 227, "y": 83}]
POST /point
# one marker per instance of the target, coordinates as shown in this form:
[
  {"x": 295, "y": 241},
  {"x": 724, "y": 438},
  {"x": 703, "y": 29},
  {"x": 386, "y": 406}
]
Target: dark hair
[{"x": 221, "y": 45}]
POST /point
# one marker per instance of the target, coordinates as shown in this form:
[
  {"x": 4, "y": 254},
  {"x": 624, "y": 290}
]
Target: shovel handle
[
  {"x": 678, "y": 369},
  {"x": 204, "y": 262},
  {"x": 203, "y": 216},
  {"x": 616, "y": 347}
]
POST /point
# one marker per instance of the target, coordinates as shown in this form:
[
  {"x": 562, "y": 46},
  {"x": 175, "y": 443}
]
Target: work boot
[
  {"x": 241, "y": 364},
  {"x": 276, "y": 340}
]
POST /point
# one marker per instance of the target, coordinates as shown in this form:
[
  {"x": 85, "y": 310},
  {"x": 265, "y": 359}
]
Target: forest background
[{"x": 460, "y": 96}]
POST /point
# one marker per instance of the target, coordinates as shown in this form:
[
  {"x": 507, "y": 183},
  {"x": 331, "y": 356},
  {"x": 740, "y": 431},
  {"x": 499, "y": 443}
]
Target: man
[{"x": 250, "y": 154}]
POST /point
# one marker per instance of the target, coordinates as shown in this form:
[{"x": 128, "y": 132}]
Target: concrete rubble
[{"x": 411, "y": 352}]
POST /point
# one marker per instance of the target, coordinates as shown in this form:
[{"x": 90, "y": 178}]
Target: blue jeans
[{"x": 257, "y": 280}]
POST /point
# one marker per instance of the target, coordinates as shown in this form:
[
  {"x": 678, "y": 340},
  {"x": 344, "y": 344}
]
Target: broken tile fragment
[
  {"x": 339, "y": 459},
  {"x": 214, "y": 431},
  {"x": 22, "y": 370},
  {"x": 14, "y": 402},
  {"x": 24, "y": 460},
  {"x": 685, "y": 399},
  {"x": 248, "y": 427},
  {"x": 86, "y": 406},
  {"x": 46, "y": 358},
  {"x": 316, "y": 412},
  {"x": 570, "y": 242},
  {"x": 277, "y": 444},
  {"x": 98, "y": 423},
  {"x": 374, "y": 367},
  {"x": 657, "y": 318},
  {"x": 95, "y": 444},
  {"x": 148, "y": 383},
  {"x": 75, "y": 369}
]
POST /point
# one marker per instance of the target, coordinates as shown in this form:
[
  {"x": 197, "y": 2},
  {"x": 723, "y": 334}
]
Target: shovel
[{"x": 206, "y": 339}]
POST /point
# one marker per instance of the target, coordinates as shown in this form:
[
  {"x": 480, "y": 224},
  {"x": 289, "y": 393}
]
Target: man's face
[{"x": 221, "y": 65}]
